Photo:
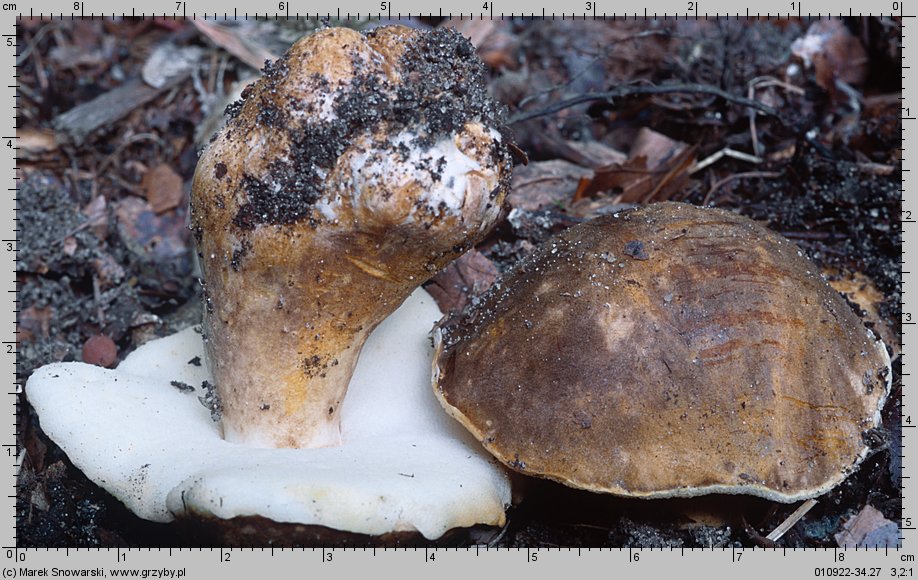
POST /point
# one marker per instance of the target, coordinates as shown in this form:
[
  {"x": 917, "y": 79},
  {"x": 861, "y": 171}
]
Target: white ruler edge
[{"x": 449, "y": 563}]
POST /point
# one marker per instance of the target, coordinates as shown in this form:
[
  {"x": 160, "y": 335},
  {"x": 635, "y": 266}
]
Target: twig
[
  {"x": 503, "y": 532},
  {"x": 768, "y": 81},
  {"x": 854, "y": 97},
  {"x": 603, "y": 53},
  {"x": 34, "y": 42},
  {"x": 77, "y": 124},
  {"x": 811, "y": 235},
  {"x": 718, "y": 184},
  {"x": 792, "y": 519},
  {"x": 762, "y": 83},
  {"x": 725, "y": 152},
  {"x": 40, "y": 75},
  {"x": 753, "y": 131},
  {"x": 97, "y": 295},
  {"x": 127, "y": 142},
  {"x": 636, "y": 90},
  {"x": 758, "y": 538}
]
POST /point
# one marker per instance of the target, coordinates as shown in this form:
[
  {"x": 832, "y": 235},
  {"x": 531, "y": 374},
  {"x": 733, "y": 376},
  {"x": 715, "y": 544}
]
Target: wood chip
[
  {"x": 97, "y": 213},
  {"x": 168, "y": 61},
  {"x": 868, "y": 529},
  {"x": 70, "y": 245},
  {"x": 77, "y": 124}
]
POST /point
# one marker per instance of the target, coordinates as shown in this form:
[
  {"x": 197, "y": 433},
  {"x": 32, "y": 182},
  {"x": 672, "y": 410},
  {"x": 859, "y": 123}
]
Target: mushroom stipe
[
  {"x": 668, "y": 351},
  {"x": 355, "y": 170}
]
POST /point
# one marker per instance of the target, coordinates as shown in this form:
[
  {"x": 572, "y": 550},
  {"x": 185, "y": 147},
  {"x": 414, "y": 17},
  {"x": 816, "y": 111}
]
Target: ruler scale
[{"x": 720, "y": 562}]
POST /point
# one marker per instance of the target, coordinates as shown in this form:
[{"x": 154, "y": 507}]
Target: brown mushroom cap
[
  {"x": 358, "y": 167},
  {"x": 667, "y": 351}
]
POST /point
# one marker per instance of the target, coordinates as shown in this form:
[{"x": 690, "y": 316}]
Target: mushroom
[
  {"x": 356, "y": 169},
  {"x": 668, "y": 351},
  {"x": 405, "y": 472},
  {"x": 352, "y": 172}
]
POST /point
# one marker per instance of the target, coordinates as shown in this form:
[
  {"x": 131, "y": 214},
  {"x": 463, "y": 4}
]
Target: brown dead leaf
[
  {"x": 35, "y": 448},
  {"x": 496, "y": 45},
  {"x": 35, "y": 323},
  {"x": 465, "y": 278},
  {"x": 630, "y": 180},
  {"x": 594, "y": 154},
  {"x": 159, "y": 238},
  {"x": 543, "y": 184},
  {"x": 656, "y": 170},
  {"x": 233, "y": 43},
  {"x": 97, "y": 212},
  {"x": 833, "y": 53},
  {"x": 868, "y": 529},
  {"x": 163, "y": 187}
]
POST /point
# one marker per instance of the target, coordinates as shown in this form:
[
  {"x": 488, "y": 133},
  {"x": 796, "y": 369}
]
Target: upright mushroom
[
  {"x": 358, "y": 167},
  {"x": 667, "y": 351}
]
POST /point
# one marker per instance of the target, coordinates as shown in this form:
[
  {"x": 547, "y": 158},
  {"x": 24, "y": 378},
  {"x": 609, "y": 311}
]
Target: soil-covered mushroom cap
[
  {"x": 358, "y": 167},
  {"x": 667, "y": 351}
]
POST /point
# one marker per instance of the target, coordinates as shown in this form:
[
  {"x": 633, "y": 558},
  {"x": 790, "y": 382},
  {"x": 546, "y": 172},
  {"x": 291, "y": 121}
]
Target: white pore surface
[{"x": 404, "y": 466}]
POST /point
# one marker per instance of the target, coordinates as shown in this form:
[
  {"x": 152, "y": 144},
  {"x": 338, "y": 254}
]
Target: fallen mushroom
[
  {"x": 353, "y": 172},
  {"x": 667, "y": 351},
  {"x": 357, "y": 168}
]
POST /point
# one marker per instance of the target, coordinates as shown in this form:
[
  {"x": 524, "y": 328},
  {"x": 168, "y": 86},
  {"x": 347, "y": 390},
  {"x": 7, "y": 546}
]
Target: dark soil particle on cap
[
  {"x": 182, "y": 387},
  {"x": 443, "y": 88},
  {"x": 636, "y": 250},
  {"x": 211, "y": 400}
]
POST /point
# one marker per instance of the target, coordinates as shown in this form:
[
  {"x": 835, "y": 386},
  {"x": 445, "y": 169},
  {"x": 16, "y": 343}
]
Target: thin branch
[
  {"x": 636, "y": 90},
  {"x": 749, "y": 174},
  {"x": 725, "y": 152},
  {"x": 792, "y": 519},
  {"x": 606, "y": 51}
]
